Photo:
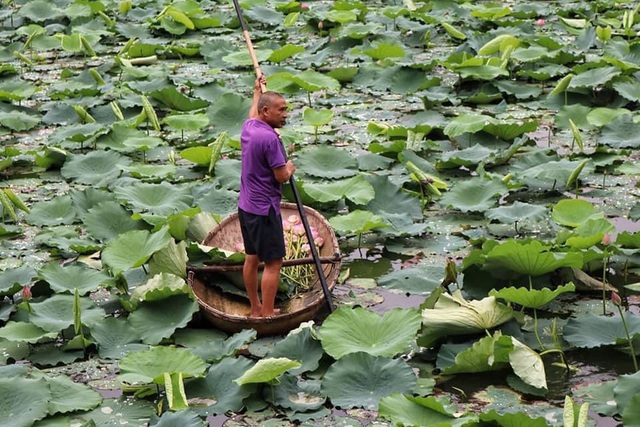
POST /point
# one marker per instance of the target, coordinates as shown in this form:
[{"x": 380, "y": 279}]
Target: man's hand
[{"x": 259, "y": 83}]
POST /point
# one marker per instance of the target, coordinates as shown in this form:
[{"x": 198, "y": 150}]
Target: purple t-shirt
[{"x": 262, "y": 151}]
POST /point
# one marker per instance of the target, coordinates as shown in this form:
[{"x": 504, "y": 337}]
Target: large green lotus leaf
[
  {"x": 139, "y": 142},
  {"x": 349, "y": 330},
  {"x": 361, "y": 380},
  {"x": 327, "y": 162},
  {"x": 78, "y": 133},
  {"x": 300, "y": 346},
  {"x": 16, "y": 90},
  {"x": 408, "y": 410},
  {"x": 358, "y": 30},
  {"x": 198, "y": 155},
  {"x": 57, "y": 313},
  {"x": 23, "y": 401},
  {"x": 631, "y": 414},
  {"x": 229, "y": 113},
  {"x": 161, "y": 286},
  {"x": 480, "y": 357},
  {"x": 474, "y": 195},
  {"x": 157, "y": 320},
  {"x": 357, "y": 222},
  {"x": 242, "y": 58},
  {"x": 10, "y": 351},
  {"x": 383, "y": 50},
  {"x": 266, "y": 370},
  {"x": 313, "y": 81},
  {"x": 466, "y": 157},
  {"x": 183, "y": 418},
  {"x": 116, "y": 338},
  {"x": 531, "y": 258},
  {"x": 18, "y": 121},
  {"x": 551, "y": 174},
  {"x": 184, "y": 122},
  {"x": 170, "y": 259},
  {"x": 89, "y": 198},
  {"x": 594, "y": 77},
  {"x": 6, "y": 309},
  {"x": 219, "y": 348},
  {"x": 622, "y": 132},
  {"x": 12, "y": 279},
  {"x": 219, "y": 201},
  {"x": 56, "y": 211},
  {"x": 526, "y": 364},
  {"x": 590, "y": 233},
  {"x": 419, "y": 280},
  {"x": 68, "y": 396},
  {"x": 194, "y": 338},
  {"x": 285, "y": 52},
  {"x": 531, "y": 298},
  {"x": 172, "y": 98},
  {"x": 373, "y": 162},
  {"x": 73, "y": 276},
  {"x": 508, "y": 131},
  {"x": 517, "y": 212},
  {"x": 452, "y": 315},
  {"x": 623, "y": 392},
  {"x": 158, "y": 199},
  {"x": 24, "y": 332},
  {"x": 391, "y": 203},
  {"x": 467, "y": 123},
  {"x": 119, "y": 412},
  {"x": 590, "y": 331},
  {"x": 97, "y": 168},
  {"x": 317, "y": 117},
  {"x": 50, "y": 354},
  {"x": 219, "y": 388},
  {"x": 575, "y": 212},
  {"x": 108, "y": 220},
  {"x": 514, "y": 419},
  {"x": 133, "y": 249},
  {"x": 628, "y": 88},
  {"x": 480, "y": 72},
  {"x": 518, "y": 89},
  {"x": 297, "y": 394},
  {"x": 357, "y": 189},
  {"x": 602, "y": 116},
  {"x": 149, "y": 366}
]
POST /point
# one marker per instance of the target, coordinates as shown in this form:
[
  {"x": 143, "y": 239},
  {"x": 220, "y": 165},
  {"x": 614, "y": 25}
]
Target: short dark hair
[{"x": 268, "y": 98}]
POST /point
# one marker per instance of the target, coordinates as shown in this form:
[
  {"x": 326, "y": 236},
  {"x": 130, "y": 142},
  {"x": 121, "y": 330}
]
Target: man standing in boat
[{"x": 264, "y": 170}]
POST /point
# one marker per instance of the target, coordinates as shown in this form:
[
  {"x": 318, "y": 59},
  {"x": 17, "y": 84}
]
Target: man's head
[{"x": 272, "y": 109}]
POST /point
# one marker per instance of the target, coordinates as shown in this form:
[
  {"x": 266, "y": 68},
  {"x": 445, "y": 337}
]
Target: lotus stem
[
  {"x": 626, "y": 330},
  {"x": 604, "y": 283}
]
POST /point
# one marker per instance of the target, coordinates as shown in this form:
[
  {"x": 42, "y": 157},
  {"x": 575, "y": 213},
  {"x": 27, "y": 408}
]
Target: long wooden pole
[{"x": 292, "y": 182}]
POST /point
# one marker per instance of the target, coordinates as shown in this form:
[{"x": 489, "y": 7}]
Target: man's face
[{"x": 276, "y": 113}]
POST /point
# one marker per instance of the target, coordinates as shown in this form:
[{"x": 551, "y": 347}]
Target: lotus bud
[
  {"x": 299, "y": 230},
  {"x": 320, "y": 25},
  {"x": 304, "y": 6},
  {"x": 26, "y": 293},
  {"x": 286, "y": 225},
  {"x": 615, "y": 298},
  {"x": 319, "y": 241},
  {"x": 540, "y": 22},
  {"x": 306, "y": 248},
  {"x": 606, "y": 239},
  {"x": 294, "y": 219}
]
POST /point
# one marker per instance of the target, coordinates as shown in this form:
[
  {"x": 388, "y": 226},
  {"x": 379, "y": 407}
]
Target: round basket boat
[{"x": 229, "y": 311}]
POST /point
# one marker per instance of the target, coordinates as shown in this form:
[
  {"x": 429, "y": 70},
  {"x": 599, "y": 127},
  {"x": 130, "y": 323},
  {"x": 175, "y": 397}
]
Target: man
[{"x": 264, "y": 170}]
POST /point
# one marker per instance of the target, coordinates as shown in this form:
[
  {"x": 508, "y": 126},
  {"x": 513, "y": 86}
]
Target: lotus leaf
[
  {"x": 68, "y": 396},
  {"x": 349, "y": 330},
  {"x": 452, "y": 315},
  {"x": 220, "y": 348},
  {"x": 12, "y": 279},
  {"x": 56, "y": 211},
  {"x": 418, "y": 280},
  {"x": 621, "y": 133},
  {"x": 149, "y": 366},
  {"x": 531, "y": 298},
  {"x": 122, "y": 411},
  {"x": 116, "y": 339},
  {"x": 267, "y": 370},
  {"x": 327, "y": 162},
  {"x": 157, "y": 320},
  {"x": 184, "y": 418},
  {"x": 161, "y": 286},
  {"x": 358, "y": 222},
  {"x": 133, "y": 249},
  {"x": 600, "y": 330},
  {"x": 108, "y": 220},
  {"x": 357, "y": 189},
  {"x": 512, "y": 419},
  {"x": 98, "y": 168},
  {"x": 16, "y": 394},
  {"x": 362, "y": 380},
  {"x": 300, "y": 346},
  {"x": 574, "y": 212},
  {"x": 219, "y": 388},
  {"x": 403, "y": 409},
  {"x": 57, "y": 313},
  {"x": 474, "y": 195},
  {"x": 73, "y": 277},
  {"x": 298, "y": 395},
  {"x": 25, "y": 332},
  {"x": 517, "y": 212},
  {"x": 531, "y": 258}
]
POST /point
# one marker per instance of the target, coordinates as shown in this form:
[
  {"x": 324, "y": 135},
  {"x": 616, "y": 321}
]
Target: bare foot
[
  {"x": 276, "y": 311},
  {"x": 256, "y": 312}
]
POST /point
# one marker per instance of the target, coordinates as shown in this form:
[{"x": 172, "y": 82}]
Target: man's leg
[
  {"x": 269, "y": 286},
  {"x": 250, "y": 278}
]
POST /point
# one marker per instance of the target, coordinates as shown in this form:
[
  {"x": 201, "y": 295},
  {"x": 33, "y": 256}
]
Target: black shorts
[{"x": 262, "y": 235}]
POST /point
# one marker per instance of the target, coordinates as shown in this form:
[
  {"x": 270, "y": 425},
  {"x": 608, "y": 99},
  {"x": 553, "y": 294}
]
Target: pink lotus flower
[
  {"x": 606, "y": 239},
  {"x": 294, "y": 219},
  {"x": 298, "y": 230},
  {"x": 306, "y": 248},
  {"x": 304, "y": 6},
  {"x": 26, "y": 293},
  {"x": 319, "y": 241},
  {"x": 540, "y": 22}
]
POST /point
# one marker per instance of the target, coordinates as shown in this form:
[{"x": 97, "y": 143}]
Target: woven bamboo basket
[{"x": 230, "y": 311}]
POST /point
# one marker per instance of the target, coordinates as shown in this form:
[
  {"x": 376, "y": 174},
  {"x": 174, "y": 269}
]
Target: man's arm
[
  {"x": 257, "y": 91},
  {"x": 284, "y": 173}
]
